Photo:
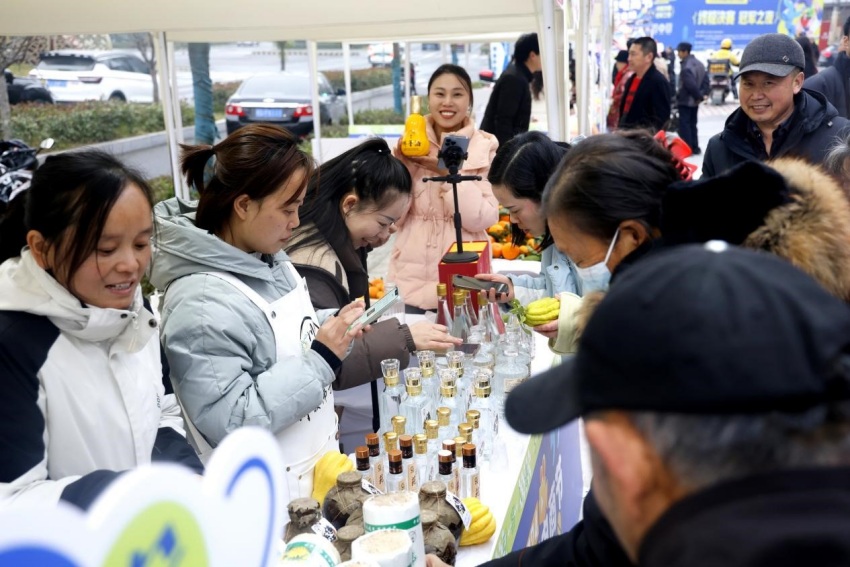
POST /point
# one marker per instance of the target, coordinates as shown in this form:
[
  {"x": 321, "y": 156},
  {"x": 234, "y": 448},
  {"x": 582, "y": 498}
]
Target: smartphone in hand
[
  {"x": 377, "y": 309},
  {"x": 474, "y": 284}
]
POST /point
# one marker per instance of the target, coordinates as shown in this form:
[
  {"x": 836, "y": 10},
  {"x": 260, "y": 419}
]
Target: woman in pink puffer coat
[{"x": 427, "y": 230}]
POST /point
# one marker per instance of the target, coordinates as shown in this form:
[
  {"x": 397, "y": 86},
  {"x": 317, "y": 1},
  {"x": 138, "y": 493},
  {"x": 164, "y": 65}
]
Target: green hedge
[
  {"x": 89, "y": 123},
  {"x": 361, "y": 79},
  {"x": 222, "y": 92}
]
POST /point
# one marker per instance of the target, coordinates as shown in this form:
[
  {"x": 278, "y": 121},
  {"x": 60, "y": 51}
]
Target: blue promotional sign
[{"x": 705, "y": 23}]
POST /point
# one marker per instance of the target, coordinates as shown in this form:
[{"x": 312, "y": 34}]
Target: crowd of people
[{"x": 704, "y": 323}]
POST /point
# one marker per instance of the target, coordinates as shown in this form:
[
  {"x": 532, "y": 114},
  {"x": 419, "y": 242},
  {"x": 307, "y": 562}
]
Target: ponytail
[
  {"x": 193, "y": 164},
  {"x": 13, "y": 231}
]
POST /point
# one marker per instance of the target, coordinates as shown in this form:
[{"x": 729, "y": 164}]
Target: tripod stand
[{"x": 453, "y": 157}]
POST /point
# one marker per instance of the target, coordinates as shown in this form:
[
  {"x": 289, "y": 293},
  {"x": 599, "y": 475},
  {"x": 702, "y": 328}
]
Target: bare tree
[
  {"x": 12, "y": 50},
  {"x": 144, "y": 43}
]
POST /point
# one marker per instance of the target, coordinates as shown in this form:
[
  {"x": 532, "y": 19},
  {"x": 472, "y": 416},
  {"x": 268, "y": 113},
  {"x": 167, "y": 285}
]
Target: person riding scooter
[{"x": 725, "y": 53}]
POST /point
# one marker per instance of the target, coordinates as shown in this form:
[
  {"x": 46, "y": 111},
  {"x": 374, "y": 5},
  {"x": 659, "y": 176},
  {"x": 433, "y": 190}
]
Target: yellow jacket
[{"x": 726, "y": 54}]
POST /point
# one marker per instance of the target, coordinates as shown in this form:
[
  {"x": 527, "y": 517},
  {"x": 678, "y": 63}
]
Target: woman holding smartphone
[
  {"x": 243, "y": 341},
  {"x": 427, "y": 230}
]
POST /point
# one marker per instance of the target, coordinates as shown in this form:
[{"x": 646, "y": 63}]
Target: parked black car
[
  {"x": 283, "y": 99},
  {"x": 24, "y": 89}
]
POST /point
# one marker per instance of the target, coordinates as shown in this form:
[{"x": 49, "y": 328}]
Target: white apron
[{"x": 293, "y": 320}]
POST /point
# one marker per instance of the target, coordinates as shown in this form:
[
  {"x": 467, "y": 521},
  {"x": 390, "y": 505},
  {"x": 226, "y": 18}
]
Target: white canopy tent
[{"x": 349, "y": 21}]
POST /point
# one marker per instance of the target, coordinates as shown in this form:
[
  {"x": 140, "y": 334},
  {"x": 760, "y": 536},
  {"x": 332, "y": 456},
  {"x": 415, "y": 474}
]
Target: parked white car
[{"x": 74, "y": 75}]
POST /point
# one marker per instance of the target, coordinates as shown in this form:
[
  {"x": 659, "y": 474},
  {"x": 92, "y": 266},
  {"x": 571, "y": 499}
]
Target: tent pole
[
  {"x": 312, "y": 64},
  {"x": 346, "y": 55},
  {"x": 407, "y": 86},
  {"x": 583, "y": 69},
  {"x": 168, "y": 112},
  {"x": 549, "y": 55},
  {"x": 175, "y": 93}
]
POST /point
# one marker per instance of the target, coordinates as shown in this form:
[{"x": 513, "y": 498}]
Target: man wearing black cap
[
  {"x": 715, "y": 387},
  {"x": 693, "y": 86},
  {"x": 777, "y": 116}
]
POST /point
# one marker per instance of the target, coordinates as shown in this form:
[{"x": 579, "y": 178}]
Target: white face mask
[{"x": 597, "y": 276}]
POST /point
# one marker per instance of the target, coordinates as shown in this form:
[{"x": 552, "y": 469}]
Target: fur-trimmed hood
[{"x": 813, "y": 230}]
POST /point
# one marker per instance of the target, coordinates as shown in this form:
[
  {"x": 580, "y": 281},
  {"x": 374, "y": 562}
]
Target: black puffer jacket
[
  {"x": 509, "y": 108},
  {"x": 834, "y": 83},
  {"x": 815, "y": 127}
]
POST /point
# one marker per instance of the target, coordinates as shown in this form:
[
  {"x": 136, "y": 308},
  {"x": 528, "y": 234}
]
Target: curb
[{"x": 303, "y": 52}]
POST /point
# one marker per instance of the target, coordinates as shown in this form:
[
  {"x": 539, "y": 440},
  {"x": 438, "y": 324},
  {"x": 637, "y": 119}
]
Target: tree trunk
[
  {"x": 199, "y": 61},
  {"x": 155, "y": 78},
  {"x": 5, "y": 113},
  {"x": 396, "y": 66},
  {"x": 281, "y": 46}
]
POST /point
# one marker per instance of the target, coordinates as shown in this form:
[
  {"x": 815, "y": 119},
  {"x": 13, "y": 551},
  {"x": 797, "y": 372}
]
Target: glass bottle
[
  {"x": 470, "y": 480},
  {"x": 449, "y": 399},
  {"x": 420, "y": 459},
  {"x": 430, "y": 381},
  {"x": 471, "y": 314},
  {"x": 463, "y": 385},
  {"x": 390, "y": 444},
  {"x": 376, "y": 460},
  {"x": 408, "y": 464},
  {"x": 415, "y": 406},
  {"x": 444, "y": 311},
  {"x": 364, "y": 467},
  {"x": 508, "y": 375},
  {"x": 396, "y": 481},
  {"x": 465, "y": 430},
  {"x": 485, "y": 319},
  {"x": 460, "y": 322},
  {"x": 444, "y": 422},
  {"x": 445, "y": 473},
  {"x": 450, "y": 445},
  {"x": 488, "y": 420},
  {"x": 392, "y": 395},
  {"x": 473, "y": 418},
  {"x": 432, "y": 429}
]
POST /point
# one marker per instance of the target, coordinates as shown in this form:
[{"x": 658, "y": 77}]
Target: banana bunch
[
  {"x": 483, "y": 524},
  {"x": 542, "y": 311},
  {"x": 327, "y": 469}
]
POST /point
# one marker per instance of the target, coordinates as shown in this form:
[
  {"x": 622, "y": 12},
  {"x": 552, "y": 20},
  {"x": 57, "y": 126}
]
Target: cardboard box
[{"x": 481, "y": 266}]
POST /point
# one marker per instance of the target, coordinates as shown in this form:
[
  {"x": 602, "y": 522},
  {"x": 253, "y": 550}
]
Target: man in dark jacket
[
  {"x": 646, "y": 99},
  {"x": 718, "y": 430},
  {"x": 508, "y": 111},
  {"x": 693, "y": 87},
  {"x": 834, "y": 82},
  {"x": 777, "y": 116}
]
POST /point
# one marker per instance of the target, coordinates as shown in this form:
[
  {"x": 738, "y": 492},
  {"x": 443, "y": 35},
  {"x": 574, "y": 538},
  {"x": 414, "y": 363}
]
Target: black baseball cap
[
  {"x": 772, "y": 53},
  {"x": 699, "y": 329}
]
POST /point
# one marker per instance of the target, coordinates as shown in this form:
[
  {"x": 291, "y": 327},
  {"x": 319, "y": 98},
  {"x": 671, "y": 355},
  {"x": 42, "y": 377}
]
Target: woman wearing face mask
[
  {"x": 243, "y": 341},
  {"x": 352, "y": 204},
  {"x": 518, "y": 176},
  {"x": 83, "y": 395},
  {"x": 427, "y": 230},
  {"x": 603, "y": 207}
]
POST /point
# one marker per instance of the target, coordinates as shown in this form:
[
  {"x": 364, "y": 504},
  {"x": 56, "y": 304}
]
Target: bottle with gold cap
[
  {"x": 444, "y": 422},
  {"x": 449, "y": 398},
  {"x": 420, "y": 460},
  {"x": 471, "y": 313},
  {"x": 470, "y": 479},
  {"x": 405, "y": 443},
  {"x": 393, "y": 394},
  {"x": 399, "y": 423},
  {"x": 390, "y": 440},
  {"x": 376, "y": 460},
  {"x": 444, "y": 473},
  {"x": 460, "y": 322},
  {"x": 430, "y": 382},
  {"x": 415, "y": 406},
  {"x": 432, "y": 433},
  {"x": 396, "y": 481},
  {"x": 488, "y": 418},
  {"x": 456, "y": 361},
  {"x": 473, "y": 418},
  {"x": 465, "y": 430},
  {"x": 414, "y": 141},
  {"x": 444, "y": 311}
]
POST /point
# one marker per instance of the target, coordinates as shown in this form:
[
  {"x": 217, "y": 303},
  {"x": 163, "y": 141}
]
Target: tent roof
[{"x": 320, "y": 20}]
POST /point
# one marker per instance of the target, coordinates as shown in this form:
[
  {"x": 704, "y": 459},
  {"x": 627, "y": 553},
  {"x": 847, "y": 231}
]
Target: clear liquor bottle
[
  {"x": 452, "y": 446},
  {"x": 473, "y": 418},
  {"x": 420, "y": 459},
  {"x": 396, "y": 480},
  {"x": 393, "y": 394},
  {"x": 405, "y": 442},
  {"x": 470, "y": 479},
  {"x": 457, "y": 361},
  {"x": 430, "y": 380},
  {"x": 449, "y": 399},
  {"x": 460, "y": 322},
  {"x": 485, "y": 319},
  {"x": 364, "y": 467},
  {"x": 376, "y": 460},
  {"x": 444, "y": 311},
  {"x": 445, "y": 472},
  {"x": 432, "y": 434},
  {"x": 483, "y": 402},
  {"x": 415, "y": 407},
  {"x": 471, "y": 314},
  {"x": 508, "y": 376},
  {"x": 399, "y": 424}
]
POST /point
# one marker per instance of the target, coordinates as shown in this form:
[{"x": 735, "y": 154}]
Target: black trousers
[{"x": 688, "y": 126}]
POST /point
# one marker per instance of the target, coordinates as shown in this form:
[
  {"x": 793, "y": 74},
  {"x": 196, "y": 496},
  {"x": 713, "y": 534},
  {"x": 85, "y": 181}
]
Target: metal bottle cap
[
  {"x": 390, "y": 441},
  {"x": 459, "y": 443},
  {"x": 465, "y": 431},
  {"x": 432, "y": 428},
  {"x": 473, "y": 418},
  {"x": 420, "y": 443},
  {"x": 444, "y": 416},
  {"x": 442, "y": 291},
  {"x": 399, "y": 422}
]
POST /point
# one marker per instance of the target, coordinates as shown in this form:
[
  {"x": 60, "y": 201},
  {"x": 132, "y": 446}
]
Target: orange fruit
[
  {"x": 373, "y": 292},
  {"x": 523, "y": 249},
  {"x": 510, "y": 251},
  {"x": 497, "y": 250}
]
